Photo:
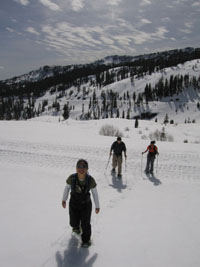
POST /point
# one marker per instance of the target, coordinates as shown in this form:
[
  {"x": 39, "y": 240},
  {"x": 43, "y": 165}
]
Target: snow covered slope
[
  {"x": 143, "y": 222},
  {"x": 180, "y": 108}
]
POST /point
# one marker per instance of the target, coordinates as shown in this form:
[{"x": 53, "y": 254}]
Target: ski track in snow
[
  {"x": 172, "y": 167},
  {"x": 169, "y": 167}
]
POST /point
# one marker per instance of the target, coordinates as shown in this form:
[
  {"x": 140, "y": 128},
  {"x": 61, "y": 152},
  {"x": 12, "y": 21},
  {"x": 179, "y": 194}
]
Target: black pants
[
  {"x": 150, "y": 163},
  {"x": 80, "y": 215}
]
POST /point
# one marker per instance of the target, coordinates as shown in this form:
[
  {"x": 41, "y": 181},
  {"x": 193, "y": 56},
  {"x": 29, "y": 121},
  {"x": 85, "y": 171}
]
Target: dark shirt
[
  {"x": 118, "y": 148},
  {"x": 153, "y": 150}
]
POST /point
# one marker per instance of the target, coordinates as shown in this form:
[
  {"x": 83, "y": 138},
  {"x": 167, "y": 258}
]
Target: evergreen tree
[
  {"x": 166, "y": 119},
  {"x": 136, "y": 123},
  {"x": 134, "y": 96},
  {"x": 118, "y": 114},
  {"x": 66, "y": 112},
  {"x": 128, "y": 114},
  {"x": 163, "y": 135}
]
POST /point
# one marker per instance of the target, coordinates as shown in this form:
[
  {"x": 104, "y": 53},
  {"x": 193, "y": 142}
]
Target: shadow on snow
[
  {"x": 117, "y": 183},
  {"x": 153, "y": 179},
  {"x": 75, "y": 256}
]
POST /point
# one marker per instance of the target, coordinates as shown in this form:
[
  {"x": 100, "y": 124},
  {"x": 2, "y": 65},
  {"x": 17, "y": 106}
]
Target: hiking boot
[
  {"x": 86, "y": 244},
  {"x": 146, "y": 171},
  {"x": 76, "y": 230},
  {"x": 113, "y": 170},
  {"x": 119, "y": 175}
]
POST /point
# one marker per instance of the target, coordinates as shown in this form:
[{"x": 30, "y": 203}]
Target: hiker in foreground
[
  {"x": 118, "y": 147},
  {"x": 152, "y": 152},
  {"x": 80, "y": 204}
]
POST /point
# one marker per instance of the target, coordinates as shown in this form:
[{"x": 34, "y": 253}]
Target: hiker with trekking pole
[
  {"x": 118, "y": 147},
  {"x": 152, "y": 152}
]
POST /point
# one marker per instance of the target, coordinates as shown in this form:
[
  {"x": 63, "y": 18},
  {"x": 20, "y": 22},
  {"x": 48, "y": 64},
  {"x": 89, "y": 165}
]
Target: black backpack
[{"x": 84, "y": 196}]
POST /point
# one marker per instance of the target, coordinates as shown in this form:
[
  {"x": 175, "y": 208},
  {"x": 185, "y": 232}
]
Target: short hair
[{"x": 82, "y": 161}]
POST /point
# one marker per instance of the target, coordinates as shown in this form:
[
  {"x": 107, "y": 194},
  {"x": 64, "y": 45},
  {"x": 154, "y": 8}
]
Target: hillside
[{"x": 147, "y": 87}]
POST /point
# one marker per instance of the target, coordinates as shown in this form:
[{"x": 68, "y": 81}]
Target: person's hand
[
  {"x": 97, "y": 210},
  {"x": 64, "y": 204}
]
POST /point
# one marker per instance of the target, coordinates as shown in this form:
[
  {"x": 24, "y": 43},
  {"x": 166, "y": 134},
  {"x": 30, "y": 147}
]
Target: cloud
[
  {"x": 77, "y": 4},
  {"x": 9, "y": 29},
  {"x": 32, "y": 30},
  {"x": 188, "y": 24},
  {"x": 187, "y": 31},
  {"x": 123, "y": 40},
  {"x": 64, "y": 35},
  {"x": 14, "y": 20},
  {"x": 114, "y": 2},
  {"x": 106, "y": 40},
  {"x": 143, "y": 37},
  {"x": 196, "y": 4},
  {"x": 160, "y": 33},
  {"x": 50, "y": 5},
  {"x": 145, "y": 2},
  {"x": 23, "y": 2},
  {"x": 114, "y": 38},
  {"x": 145, "y": 21},
  {"x": 166, "y": 19}
]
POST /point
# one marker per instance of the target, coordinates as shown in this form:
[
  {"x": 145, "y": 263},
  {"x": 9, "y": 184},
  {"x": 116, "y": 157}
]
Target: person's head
[
  {"x": 119, "y": 139},
  {"x": 82, "y": 167},
  {"x": 153, "y": 142}
]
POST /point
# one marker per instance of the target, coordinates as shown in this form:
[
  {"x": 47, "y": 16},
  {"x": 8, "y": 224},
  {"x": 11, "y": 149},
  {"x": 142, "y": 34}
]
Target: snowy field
[{"x": 143, "y": 222}]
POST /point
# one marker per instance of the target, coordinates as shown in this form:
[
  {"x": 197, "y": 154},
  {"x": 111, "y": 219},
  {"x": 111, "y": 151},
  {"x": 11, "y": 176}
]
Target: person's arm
[
  {"x": 65, "y": 195},
  {"x": 145, "y": 150},
  {"x": 96, "y": 199}
]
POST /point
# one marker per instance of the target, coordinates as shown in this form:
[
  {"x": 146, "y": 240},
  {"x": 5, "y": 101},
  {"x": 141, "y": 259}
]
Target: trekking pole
[
  {"x": 125, "y": 164},
  {"x": 126, "y": 180},
  {"x": 107, "y": 165},
  {"x": 157, "y": 165},
  {"x": 141, "y": 164}
]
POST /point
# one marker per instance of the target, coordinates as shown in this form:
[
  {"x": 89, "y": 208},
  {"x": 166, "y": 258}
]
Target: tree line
[{"x": 18, "y": 100}]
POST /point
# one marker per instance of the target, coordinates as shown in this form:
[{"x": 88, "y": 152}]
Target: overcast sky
[{"x": 34, "y": 33}]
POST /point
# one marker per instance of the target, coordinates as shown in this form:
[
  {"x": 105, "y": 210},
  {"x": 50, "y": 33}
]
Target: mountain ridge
[
  {"x": 144, "y": 87},
  {"x": 49, "y": 71}
]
